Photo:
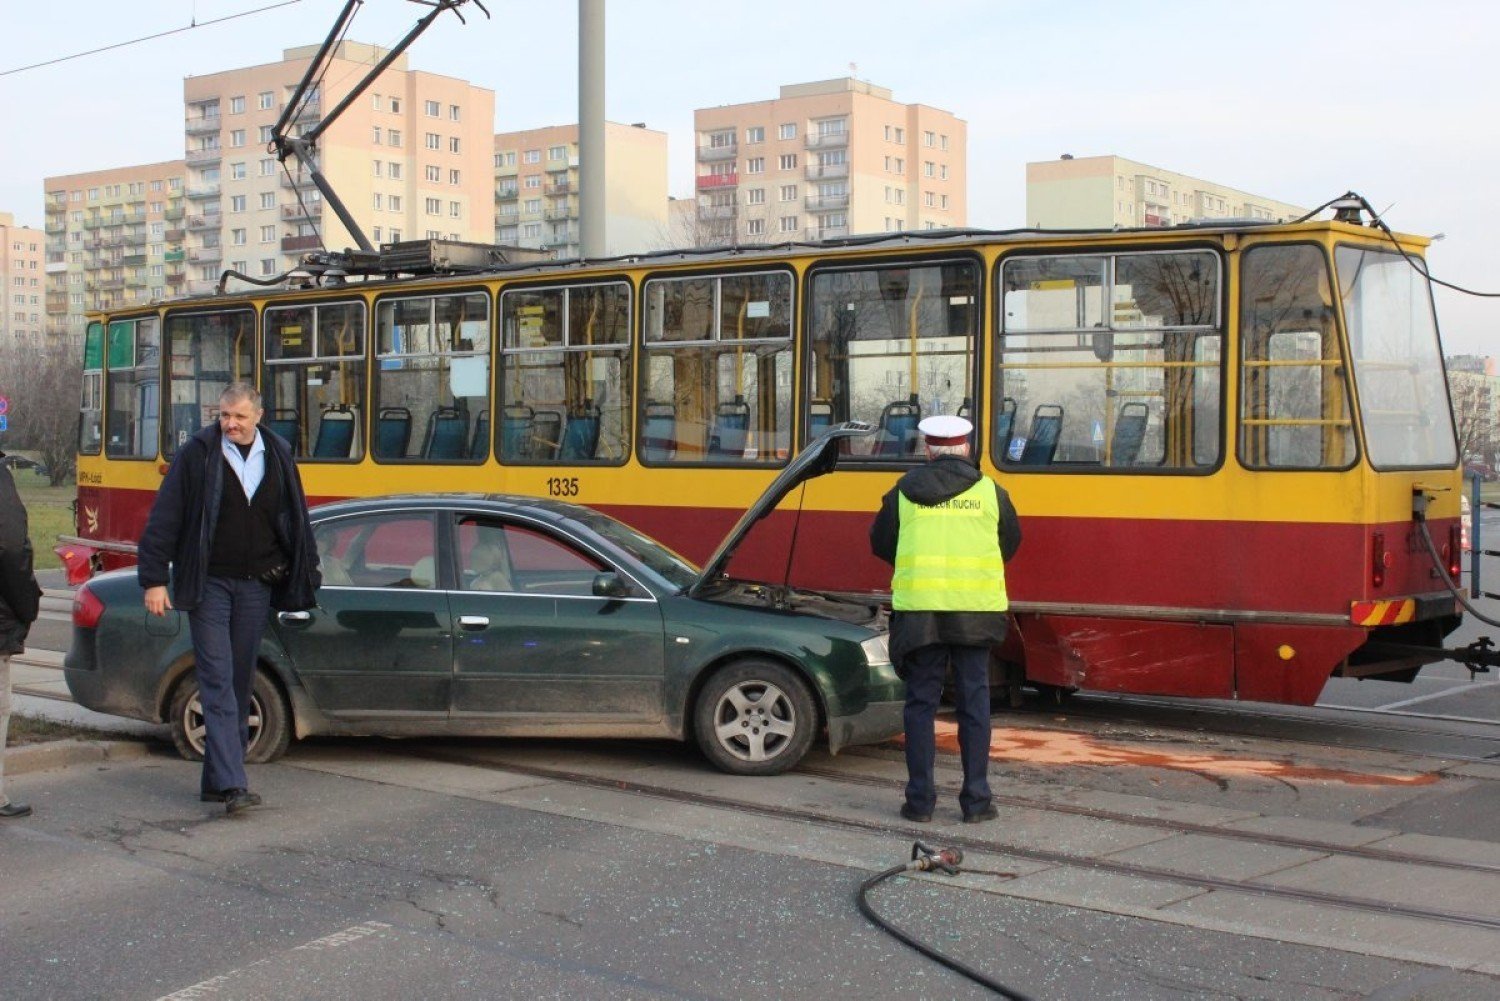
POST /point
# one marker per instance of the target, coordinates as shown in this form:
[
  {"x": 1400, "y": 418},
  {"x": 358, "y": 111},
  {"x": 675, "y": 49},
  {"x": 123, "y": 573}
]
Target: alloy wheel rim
[
  {"x": 754, "y": 721},
  {"x": 194, "y": 727}
]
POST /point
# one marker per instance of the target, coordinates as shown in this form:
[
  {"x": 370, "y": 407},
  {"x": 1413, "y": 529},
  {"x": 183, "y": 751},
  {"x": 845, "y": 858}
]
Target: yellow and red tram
[{"x": 1214, "y": 434}]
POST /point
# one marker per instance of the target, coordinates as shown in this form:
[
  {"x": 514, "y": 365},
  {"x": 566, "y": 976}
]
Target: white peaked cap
[{"x": 945, "y": 429}]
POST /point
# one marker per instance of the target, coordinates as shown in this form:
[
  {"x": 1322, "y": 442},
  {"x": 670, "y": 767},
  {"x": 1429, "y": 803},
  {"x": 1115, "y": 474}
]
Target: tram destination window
[
  {"x": 132, "y": 388},
  {"x": 1294, "y": 390},
  {"x": 718, "y": 369},
  {"x": 432, "y": 379},
  {"x": 1109, "y": 362},
  {"x": 314, "y": 382},
  {"x": 890, "y": 345},
  {"x": 564, "y": 375},
  {"x": 91, "y": 403},
  {"x": 205, "y": 353}
]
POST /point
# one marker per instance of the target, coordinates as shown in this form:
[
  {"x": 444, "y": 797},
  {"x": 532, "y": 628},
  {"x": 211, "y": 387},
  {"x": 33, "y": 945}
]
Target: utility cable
[
  {"x": 147, "y": 38},
  {"x": 1420, "y": 517}
]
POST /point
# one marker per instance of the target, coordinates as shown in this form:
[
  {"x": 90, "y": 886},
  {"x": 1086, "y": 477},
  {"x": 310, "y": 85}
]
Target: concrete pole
[{"x": 591, "y": 166}]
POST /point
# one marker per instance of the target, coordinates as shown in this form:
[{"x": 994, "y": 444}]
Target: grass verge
[
  {"x": 49, "y": 513},
  {"x": 35, "y": 730}
]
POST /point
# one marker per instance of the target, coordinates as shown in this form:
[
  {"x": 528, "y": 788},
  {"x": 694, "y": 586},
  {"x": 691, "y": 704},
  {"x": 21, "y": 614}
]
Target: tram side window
[
  {"x": 718, "y": 369},
  {"x": 432, "y": 379},
  {"x": 565, "y": 375},
  {"x": 91, "y": 405},
  {"x": 891, "y": 345},
  {"x": 1294, "y": 393},
  {"x": 205, "y": 353},
  {"x": 1110, "y": 362},
  {"x": 314, "y": 379},
  {"x": 132, "y": 388}
]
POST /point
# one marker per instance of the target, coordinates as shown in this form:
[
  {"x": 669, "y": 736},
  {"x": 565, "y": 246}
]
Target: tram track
[{"x": 1037, "y": 855}]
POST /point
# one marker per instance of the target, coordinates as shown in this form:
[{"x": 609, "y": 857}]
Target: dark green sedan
[{"x": 513, "y": 616}]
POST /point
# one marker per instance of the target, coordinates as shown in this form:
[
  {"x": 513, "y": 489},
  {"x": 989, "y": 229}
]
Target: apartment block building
[
  {"x": 825, "y": 160},
  {"x": 114, "y": 238},
  {"x": 410, "y": 159},
  {"x": 1106, "y": 191},
  {"x": 536, "y": 189},
  {"x": 21, "y": 277}
]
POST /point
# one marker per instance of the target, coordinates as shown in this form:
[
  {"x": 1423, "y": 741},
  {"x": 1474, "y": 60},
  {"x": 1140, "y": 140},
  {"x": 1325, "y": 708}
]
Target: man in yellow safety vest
[{"x": 948, "y": 530}]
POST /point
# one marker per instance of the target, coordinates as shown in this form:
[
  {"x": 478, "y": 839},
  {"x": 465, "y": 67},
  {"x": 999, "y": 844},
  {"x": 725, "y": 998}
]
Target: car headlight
[{"x": 877, "y": 649}]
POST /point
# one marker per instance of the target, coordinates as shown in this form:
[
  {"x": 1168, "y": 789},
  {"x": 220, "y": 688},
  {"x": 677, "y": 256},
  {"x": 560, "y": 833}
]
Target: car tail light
[
  {"x": 1379, "y": 559},
  {"x": 87, "y": 608},
  {"x": 1455, "y": 550}
]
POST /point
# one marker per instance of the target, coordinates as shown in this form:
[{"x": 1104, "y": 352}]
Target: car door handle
[
  {"x": 473, "y": 622},
  {"x": 294, "y": 618}
]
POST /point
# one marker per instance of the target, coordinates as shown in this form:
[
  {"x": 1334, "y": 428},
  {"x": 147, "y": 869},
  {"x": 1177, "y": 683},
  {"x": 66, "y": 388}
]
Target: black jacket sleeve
[
  {"x": 158, "y": 545},
  {"x": 18, "y": 588},
  {"x": 1010, "y": 526},
  {"x": 885, "y": 528}
]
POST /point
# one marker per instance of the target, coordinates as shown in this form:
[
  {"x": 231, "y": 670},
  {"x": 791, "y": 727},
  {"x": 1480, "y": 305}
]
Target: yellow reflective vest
[{"x": 948, "y": 554}]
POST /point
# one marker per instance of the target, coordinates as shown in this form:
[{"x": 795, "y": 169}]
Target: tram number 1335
[{"x": 562, "y": 486}]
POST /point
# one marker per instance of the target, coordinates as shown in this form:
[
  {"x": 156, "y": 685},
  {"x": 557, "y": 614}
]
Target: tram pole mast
[{"x": 591, "y": 166}]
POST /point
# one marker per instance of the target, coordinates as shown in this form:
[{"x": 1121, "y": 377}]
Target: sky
[{"x": 1295, "y": 101}]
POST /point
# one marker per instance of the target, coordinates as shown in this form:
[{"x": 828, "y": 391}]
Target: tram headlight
[{"x": 1379, "y": 559}]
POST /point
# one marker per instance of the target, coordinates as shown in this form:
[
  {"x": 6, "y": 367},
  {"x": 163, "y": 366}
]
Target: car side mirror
[{"x": 610, "y": 585}]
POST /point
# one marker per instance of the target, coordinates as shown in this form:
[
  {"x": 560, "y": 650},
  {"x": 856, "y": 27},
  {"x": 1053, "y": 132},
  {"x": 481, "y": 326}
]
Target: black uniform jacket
[
  {"x": 20, "y": 597},
  {"x": 938, "y": 480},
  {"x": 180, "y": 529}
]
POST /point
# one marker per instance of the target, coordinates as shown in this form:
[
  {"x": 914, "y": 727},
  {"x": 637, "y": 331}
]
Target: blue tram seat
[
  {"x": 546, "y": 436},
  {"x": 447, "y": 434},
  {"x": 392, "y": 432},
  {"x": 819, "y": 418},
  {"x": 516, "y": 422},
  {"x": 658, "y": 432},
  {"x": 1046, "y": 427},
  {"x": 898, "y": 426},
  {"x": 581, "y": 436},
  {"x": 730, "y": 431},
  {"x": 1130, "y": 432},
  {"x": 286, "y": 424},
  {"x": 479, "y": 442},
  {"x": 1005, "y": 426},
  {"x": 335, "y": 434}
]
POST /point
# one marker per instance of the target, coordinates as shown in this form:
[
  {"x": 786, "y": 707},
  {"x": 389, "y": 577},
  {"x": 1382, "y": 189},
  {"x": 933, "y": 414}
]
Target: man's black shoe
[
  {"x": 13, "y": 810},
  {"x": 909, "y": 812},
  {"x": 980, "y": 816},
  {"x": 211, "y": 797},
  {"x": 236, "y": 800}
]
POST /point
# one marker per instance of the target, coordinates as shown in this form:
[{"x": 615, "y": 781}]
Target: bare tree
[
  {"x": 1473, "y": 417},
  {"x": 43, "y": 384}
]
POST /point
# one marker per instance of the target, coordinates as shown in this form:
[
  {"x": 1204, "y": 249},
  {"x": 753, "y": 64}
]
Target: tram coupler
[
  {"x": 926, "y": 859},
  {"x": 1479, "y": 656}
]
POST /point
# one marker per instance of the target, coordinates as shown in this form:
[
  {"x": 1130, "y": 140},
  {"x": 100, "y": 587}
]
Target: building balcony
[
  {"x": 199, "y": 223},
  {"x": 108, "y": 284},
  {"x": 176, "y": 277},
  {"x": 202, "y": 125},
  {"x": 205, "y": 255},
  {"x": 57, "y": 302},
  {"x": 202, "y": 286},
  {"x": 292, "y": 182},
  {"x": 560, "y": 166},
  {"x": 56, "y": 249},
  {"x": 174, "y": 213},
  {"x": 825, "y": 203},
  {"x": 506, "y": 194},
  {"x": 827, "y": 140},
  {"x": 56, "y": 267},
  {"x": 133, "y": 238},
  {"x": 94, "y": 222},
  {"x": 716, "y": 211},
  {"x": 828, "y": 232},
  {"x": 310, "y": 111},
  {"x": 710, "y": 154},
  {"x": 203, "y": 157},
  {"x": 560, "y": 238},
  {"x": 174, "y": 235},
  {"x": 557, "y": 187},
  {"x": 174, "y": 256},
  {"x": 133, "y": 260},
  {"x": 296, "y": 244},
  {"x": 816, "y": 172},
  {"x": 718, "y": 181},
  {"x": 93, "y": 244},
  {"x": 311, "y": 208},
  {"x": 58, "y": 328},
  {"x": 202, "y": 191},
  {"x": 137, "y": 218},
  {"x": 552, "y": 215}
]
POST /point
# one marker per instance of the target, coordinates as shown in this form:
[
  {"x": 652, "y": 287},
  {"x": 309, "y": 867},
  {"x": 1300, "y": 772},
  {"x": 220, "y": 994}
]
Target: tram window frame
[
  {"x": 136, "y": 417},
  {"x": 1097, "y": 334},
  {"x": 1334, "y": 334},
  {"x": 208, "y": 411},
  {"x": 269, "y": 367},
  {"x": 887, "y": 452},
  {"x": 705, "y": 418},
  {"x": 92, "y": 392},
  {"x": 421, "y": 427},
  {"x": 545, "y": 436}
]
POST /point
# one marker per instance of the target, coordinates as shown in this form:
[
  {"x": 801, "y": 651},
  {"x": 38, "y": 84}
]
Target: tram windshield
[{"x": 1398, "y": 363}]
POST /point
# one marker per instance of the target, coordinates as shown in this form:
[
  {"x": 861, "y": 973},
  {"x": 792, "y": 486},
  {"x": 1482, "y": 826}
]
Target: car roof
[{"x": 482, "y": 503}]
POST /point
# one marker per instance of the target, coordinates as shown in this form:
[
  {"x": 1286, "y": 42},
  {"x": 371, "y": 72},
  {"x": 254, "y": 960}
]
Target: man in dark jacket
[
  {"x": 19, "y": 599},
  {"x": 231, "y": 521},
  {"x": 948, "y": 530}
]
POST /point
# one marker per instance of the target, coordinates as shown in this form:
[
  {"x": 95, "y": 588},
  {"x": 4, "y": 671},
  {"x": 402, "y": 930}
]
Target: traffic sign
[
  {"x": 4, "y": 405},
  {"x": 4, "y": 423}
]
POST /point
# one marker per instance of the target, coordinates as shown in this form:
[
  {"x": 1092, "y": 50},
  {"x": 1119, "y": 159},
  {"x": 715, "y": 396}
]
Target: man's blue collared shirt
[{"x": 250, "y": 469}]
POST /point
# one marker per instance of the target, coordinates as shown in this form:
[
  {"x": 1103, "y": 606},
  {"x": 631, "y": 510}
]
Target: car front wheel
[
  {"x": 755, "y": 717},
  {"x": 270, "y": 720}
]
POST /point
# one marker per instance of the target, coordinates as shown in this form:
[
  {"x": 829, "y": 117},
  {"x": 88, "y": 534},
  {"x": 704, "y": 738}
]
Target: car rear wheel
[
  {"x": 270, "y": 720},
  {"x": 755, "y": 717}
]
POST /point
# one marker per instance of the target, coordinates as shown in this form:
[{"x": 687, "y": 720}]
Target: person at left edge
[
  {"x": 20, "y": 597},
  {"x": 230, "y": 520}
]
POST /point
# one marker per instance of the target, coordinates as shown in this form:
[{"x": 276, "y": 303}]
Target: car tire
[
  {"x": 270, "y": 720},
  {"x": 755, "y": 717}
]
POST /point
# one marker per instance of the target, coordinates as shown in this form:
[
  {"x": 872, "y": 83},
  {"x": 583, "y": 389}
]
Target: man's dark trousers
[
  {"x": 227, "y": 627},
  {"x": 925, "y": 669}
]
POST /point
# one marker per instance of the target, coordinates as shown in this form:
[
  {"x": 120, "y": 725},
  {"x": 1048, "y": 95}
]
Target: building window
[
  {"x": 557, "y": 152},
  {"x": 755, "y": 165},
  {"x": 454, "y": 114},
  {"x": 236, "y": 203},
  {"x": 943, "y": 171},
  {"x": 755, "y": 227},
  {"x": 755, "y": 134},
  {"x": 395, "y": 105},
  {"x": 433, "y": 141},
  {"x": 455, "y": 209},
  {"x": 237, "y": 171},
  {"x": 267, "y": 234},
  {"x": 268, "y": 199},
  {"x": 534, "y": 181},
  {"x": 377, "y": 132},
  {"x": 531, "y": 229},
  {"x": 237, "y": 237},
  {"x": 928, "y": 139},
  {"x": 755, "y": 196},
  {"x": 267, "y": 100},
  {"x": 379, "y": 201},
  {"x": 533, "y": 205},
  {"x": 789, "y": 192},
  {"x": 788, "y": 224},
  {"x": 395, "y": 170},
  {"x": 788, "y": 161},
  {"x": 433, "y": 173},
  {"x": 434, "y": 206},
  {"x": 375, "y": 101},
  {"x": 454, "y": 176},
  {"x": 531, "y": 156},
  {"x": 379, "y": 168},
  {"x": 265, "y": 133},
  {"x": 395, "y": 203},
  {"x": 432, "y": 109},
  {"x": 268, "y": 166},
  {"x": 929, "y": 169},
  {"x": 455, "y": 144},
  {"x": 786, "y": 130},
  {"x": 237, "y": 105},
  {"x": 236, "y": 137}
]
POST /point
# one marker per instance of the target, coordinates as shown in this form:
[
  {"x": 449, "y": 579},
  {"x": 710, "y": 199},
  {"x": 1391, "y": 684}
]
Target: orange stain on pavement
[{"x": 1052, "y": 747}]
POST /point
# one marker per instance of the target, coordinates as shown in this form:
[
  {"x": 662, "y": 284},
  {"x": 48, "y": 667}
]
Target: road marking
[
  {"x": 1469, "y": 687},
  {"x": 211, "y": 986}
]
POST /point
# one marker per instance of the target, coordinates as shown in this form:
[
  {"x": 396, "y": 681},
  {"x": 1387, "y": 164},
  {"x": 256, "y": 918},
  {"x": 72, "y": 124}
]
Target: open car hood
[{"x": 819, "y": 457}]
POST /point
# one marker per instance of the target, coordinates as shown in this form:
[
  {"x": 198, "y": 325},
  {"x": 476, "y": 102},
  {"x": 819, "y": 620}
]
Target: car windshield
[
  {"x": 667, "y": 565},
  {"x": 1398, "y": 362}
]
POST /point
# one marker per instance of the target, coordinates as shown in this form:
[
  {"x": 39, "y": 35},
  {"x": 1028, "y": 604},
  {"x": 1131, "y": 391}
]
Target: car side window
[
  {"x": 393, "y": 550},
  {"x": 503, "y": 557}
]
